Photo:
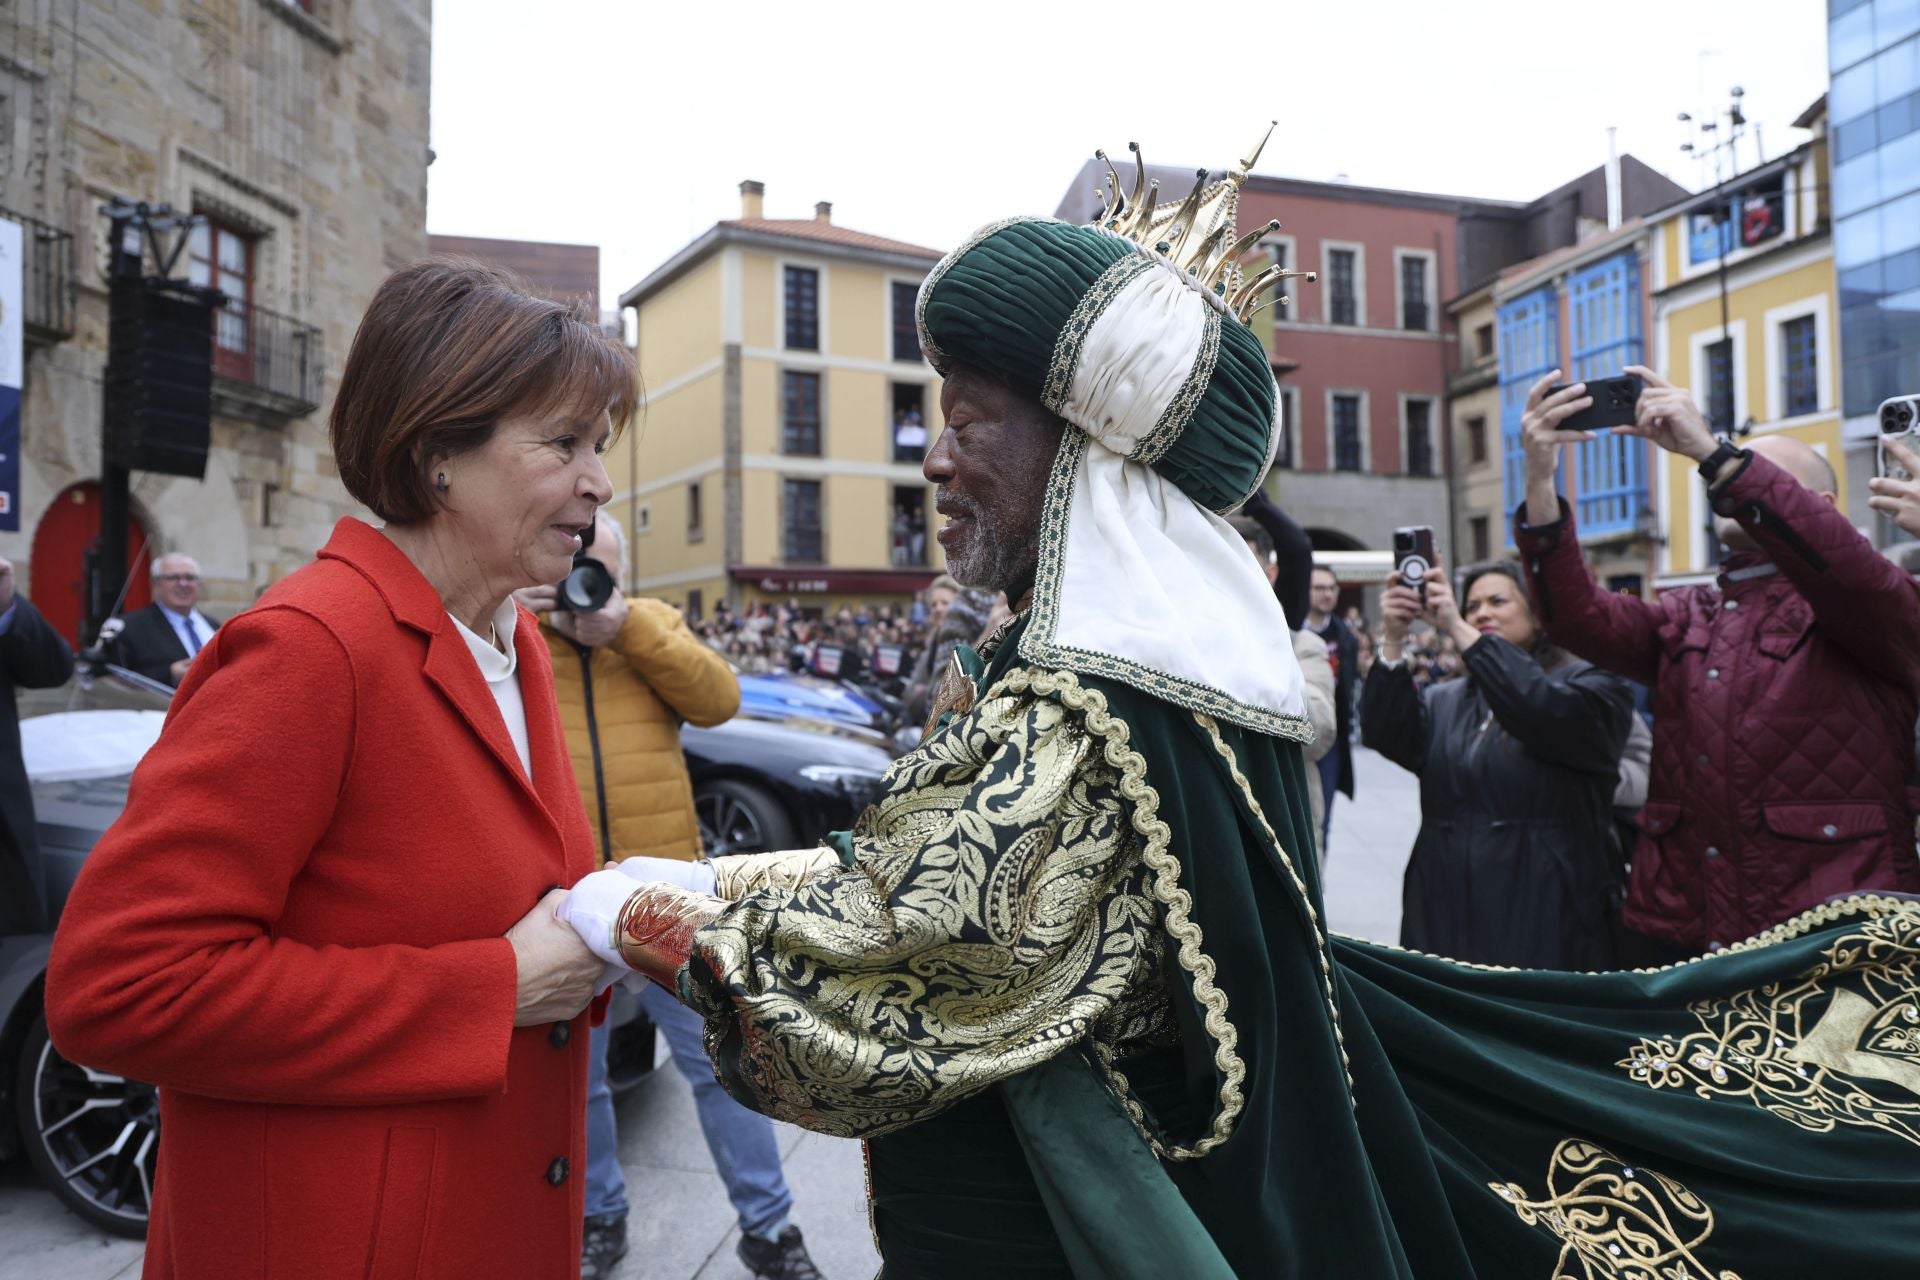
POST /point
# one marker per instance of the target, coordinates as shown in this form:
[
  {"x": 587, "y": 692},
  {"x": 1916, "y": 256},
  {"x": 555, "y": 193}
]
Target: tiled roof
[{"x": 827, "y": 233}]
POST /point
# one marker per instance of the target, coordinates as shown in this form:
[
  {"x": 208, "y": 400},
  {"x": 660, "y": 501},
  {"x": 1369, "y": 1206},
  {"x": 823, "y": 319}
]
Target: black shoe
[
  {"x": 602, "y": 1246},
  {"x": 782, "y": 1259}
]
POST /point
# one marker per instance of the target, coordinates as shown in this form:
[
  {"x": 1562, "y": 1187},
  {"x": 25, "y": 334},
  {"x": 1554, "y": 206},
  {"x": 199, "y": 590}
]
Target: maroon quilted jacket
[{"x": 1784, "y": 708}]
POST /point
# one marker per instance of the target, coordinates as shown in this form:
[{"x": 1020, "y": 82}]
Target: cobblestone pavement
[{"x": 681, "y": 1226}]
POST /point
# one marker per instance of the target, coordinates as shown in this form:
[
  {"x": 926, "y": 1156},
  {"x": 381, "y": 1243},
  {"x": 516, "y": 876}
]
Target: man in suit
[
  {"x": 160, "y": 641},
  {"x": 32, "y": 656},
  {"x": 1336, "y": 767}
]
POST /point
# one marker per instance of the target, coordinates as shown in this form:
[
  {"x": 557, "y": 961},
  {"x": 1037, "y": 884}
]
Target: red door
[{"x": 60, "y": 543}]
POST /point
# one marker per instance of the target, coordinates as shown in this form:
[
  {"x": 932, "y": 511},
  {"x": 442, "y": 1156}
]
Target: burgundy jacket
[{"x": 1784, "y": 708}]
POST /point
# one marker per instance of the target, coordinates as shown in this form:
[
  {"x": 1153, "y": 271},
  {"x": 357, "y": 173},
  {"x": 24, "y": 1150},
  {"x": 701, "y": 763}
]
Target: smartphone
[
  {"x": 1413, "y": 556},
  {"x": 1900, "y": 418},
  {"x": 1615, "y": 401}
]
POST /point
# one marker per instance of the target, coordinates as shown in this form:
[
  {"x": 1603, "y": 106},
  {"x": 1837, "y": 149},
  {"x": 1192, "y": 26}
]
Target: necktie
[{"x": 193, "y": 636}]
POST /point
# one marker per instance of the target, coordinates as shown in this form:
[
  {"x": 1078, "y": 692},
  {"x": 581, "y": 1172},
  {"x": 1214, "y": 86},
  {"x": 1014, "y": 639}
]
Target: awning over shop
[
  {"x": 822, "y": 580},
  {"x": 1356, "y": 568}
]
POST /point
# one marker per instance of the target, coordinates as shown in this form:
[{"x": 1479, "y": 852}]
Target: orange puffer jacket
[{"x": 654, "y": 675}]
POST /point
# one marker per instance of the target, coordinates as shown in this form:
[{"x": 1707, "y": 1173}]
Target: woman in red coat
[{"x": 324, "y": 924}]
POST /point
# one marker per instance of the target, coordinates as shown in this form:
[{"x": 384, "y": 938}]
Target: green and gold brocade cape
[{"x": 1368, "y": 1112}]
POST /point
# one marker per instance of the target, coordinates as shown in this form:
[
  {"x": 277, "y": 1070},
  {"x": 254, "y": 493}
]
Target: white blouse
[{"x": 501, "y": 671}]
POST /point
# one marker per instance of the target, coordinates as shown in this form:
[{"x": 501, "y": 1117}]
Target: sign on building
[{"x": 12, "y": 362}]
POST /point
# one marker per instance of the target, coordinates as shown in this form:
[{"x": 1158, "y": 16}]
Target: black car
[{"x": 760, "y": 783}]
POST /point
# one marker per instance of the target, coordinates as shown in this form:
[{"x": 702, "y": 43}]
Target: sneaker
[
  {"x": 782, "y": 1259},
  {"x": 602, "y": 1246}
]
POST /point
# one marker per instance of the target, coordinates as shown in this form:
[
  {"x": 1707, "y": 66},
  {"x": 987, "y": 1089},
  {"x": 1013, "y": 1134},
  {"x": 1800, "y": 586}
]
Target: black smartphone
[
  {"x": 1413, "y": 556},
  {"x": 1614, "y": 403}
]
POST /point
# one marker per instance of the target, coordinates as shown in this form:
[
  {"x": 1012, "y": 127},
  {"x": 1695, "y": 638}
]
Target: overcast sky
[{"x": 630, "y": 124}]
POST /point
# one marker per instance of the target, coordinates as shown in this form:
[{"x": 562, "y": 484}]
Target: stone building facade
[{"x": 298, "y": 128}]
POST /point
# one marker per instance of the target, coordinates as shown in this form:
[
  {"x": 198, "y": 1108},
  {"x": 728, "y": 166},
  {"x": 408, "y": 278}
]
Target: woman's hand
[
  {"x": 1400, "y": 604},
  {"x": 557, "y": 974},
  {"x": 1443, "y": 608}
]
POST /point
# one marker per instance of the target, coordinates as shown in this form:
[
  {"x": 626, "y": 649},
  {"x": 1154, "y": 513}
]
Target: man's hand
[
  {"x": 1897, "y": 498},
  {"x": 537, "y": 600},
  {"x": 179, "y": 670},
  {"x": 6, "y": 584},
  {"x": 601, "y": 626},
  {"x": 1542, "y": 437},
  {"x": 1668, "y": 416}
]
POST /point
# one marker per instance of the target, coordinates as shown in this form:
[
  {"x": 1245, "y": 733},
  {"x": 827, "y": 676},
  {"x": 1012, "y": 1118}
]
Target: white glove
[{"x": 593, "y": 904}]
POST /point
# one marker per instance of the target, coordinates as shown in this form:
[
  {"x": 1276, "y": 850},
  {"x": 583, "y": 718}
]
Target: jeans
[
  {"x": 1329, "y": 766},
  {"x": 742, "y": 1143}
]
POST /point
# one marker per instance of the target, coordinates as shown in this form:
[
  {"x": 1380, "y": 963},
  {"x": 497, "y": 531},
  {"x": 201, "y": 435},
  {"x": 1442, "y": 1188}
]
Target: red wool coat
[
  {"x": 1783, "y": 714},
  {"x": 295, "y": 930}
]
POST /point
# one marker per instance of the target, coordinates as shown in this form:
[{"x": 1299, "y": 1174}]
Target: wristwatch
[{"x": 1711, "y": 464}]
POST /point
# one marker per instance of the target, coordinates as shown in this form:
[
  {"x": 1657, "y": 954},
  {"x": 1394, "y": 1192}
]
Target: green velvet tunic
[{"x": 1073, "y": 987}]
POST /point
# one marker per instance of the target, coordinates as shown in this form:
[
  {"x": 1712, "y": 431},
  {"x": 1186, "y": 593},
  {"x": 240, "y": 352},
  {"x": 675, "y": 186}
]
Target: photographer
[
  {"x": 1518, "y": 763},
  {"x": 626, "y": 676},
  {"x": 1784, "y": 693}
]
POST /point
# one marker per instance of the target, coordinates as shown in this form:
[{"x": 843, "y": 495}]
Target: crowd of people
[{"x": 1067, "y": 979}]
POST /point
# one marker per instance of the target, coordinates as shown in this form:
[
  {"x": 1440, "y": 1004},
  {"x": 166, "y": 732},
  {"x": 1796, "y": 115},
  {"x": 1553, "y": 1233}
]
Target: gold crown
[{"x": 1197, "y": 235}]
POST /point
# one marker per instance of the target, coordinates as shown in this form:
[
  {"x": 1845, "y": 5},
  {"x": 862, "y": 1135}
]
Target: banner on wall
[{"x": 12, "y": 365}]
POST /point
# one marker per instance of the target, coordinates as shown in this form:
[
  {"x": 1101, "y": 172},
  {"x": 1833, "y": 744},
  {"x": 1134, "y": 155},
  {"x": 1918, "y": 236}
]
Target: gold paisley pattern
[
  {"x": 1616, "y": 1222},
  {"x": 735, "y": 875},
  {"x": 998, "y": 912},
  {"x": 1839, "y": 1045}
]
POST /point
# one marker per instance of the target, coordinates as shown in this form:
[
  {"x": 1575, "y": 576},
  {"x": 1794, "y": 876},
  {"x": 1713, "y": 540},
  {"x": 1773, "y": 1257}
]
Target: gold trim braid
[
  {"x": 1321, "y": 950},
  {"x": 1144, "y": 804}
]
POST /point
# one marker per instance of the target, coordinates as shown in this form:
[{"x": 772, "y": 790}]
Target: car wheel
[
  {"x": 739, "y": 817},
  {"x": 92, "y": 1137},
  {"x": 630, "y": 1055}
]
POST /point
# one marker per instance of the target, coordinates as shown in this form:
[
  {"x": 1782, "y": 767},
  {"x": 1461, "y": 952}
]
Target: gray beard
[{"x": 990, "y": 562}]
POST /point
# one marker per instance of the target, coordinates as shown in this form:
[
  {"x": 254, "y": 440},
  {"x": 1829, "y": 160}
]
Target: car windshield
[
  {"x": 109, "y": 689},
  {"x": 97, "y": 725}
]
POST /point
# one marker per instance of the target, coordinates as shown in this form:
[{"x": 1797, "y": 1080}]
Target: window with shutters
[
  {"x": 1347, "y": 452},
  {"x": 222, "y": 257},
  {"x": 800, "y": 521},
  {"x": 803, "y": 308},
  {"x": 800, "y": 414}
]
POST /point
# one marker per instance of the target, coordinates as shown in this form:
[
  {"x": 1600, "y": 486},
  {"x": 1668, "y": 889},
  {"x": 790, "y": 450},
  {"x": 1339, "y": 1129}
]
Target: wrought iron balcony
[
  {"x": 265, "y": 363},
  {"x": 46, "y": 285}
]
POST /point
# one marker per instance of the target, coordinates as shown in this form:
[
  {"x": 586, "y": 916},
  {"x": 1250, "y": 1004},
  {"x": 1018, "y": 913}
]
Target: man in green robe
[{"x": 1069, "y": 979}]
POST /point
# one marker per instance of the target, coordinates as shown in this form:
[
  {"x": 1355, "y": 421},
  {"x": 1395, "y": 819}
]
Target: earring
[{"x": 440, "y": 482}]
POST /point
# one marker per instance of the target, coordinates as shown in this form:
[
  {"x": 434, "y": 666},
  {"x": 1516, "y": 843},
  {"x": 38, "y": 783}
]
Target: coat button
[
  {"x": 560, "y": 1033},
  {"x": 1716, "y": 946},
  {"x": 1712, "y": 852},
  {"x": 1731, "y": 604},
  {"x": 557, "y": 1171},
  {"x": 1829, "y": 831},
  {"x": 1713, "y": 673},
  {"x": 1705, "y": 760}
]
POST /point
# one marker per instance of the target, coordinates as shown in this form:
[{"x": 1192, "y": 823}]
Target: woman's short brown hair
[{"x": 446, "y": 350}]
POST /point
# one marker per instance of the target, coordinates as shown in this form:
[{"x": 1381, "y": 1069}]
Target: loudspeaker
[{"x": 159, "y": 385}]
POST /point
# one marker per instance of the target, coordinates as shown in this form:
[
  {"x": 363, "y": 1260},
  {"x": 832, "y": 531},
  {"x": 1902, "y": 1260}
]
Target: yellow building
[
  {"x": 1758, "y": 351},
  {"x": 787, "y": 411},
  {"x": 1473, "y": 418}
]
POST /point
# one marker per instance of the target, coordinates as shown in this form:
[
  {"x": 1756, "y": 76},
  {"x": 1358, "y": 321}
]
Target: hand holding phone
[
  {"x": 1615, "y": 403},
  {"x": 1413, "y": 556}
]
